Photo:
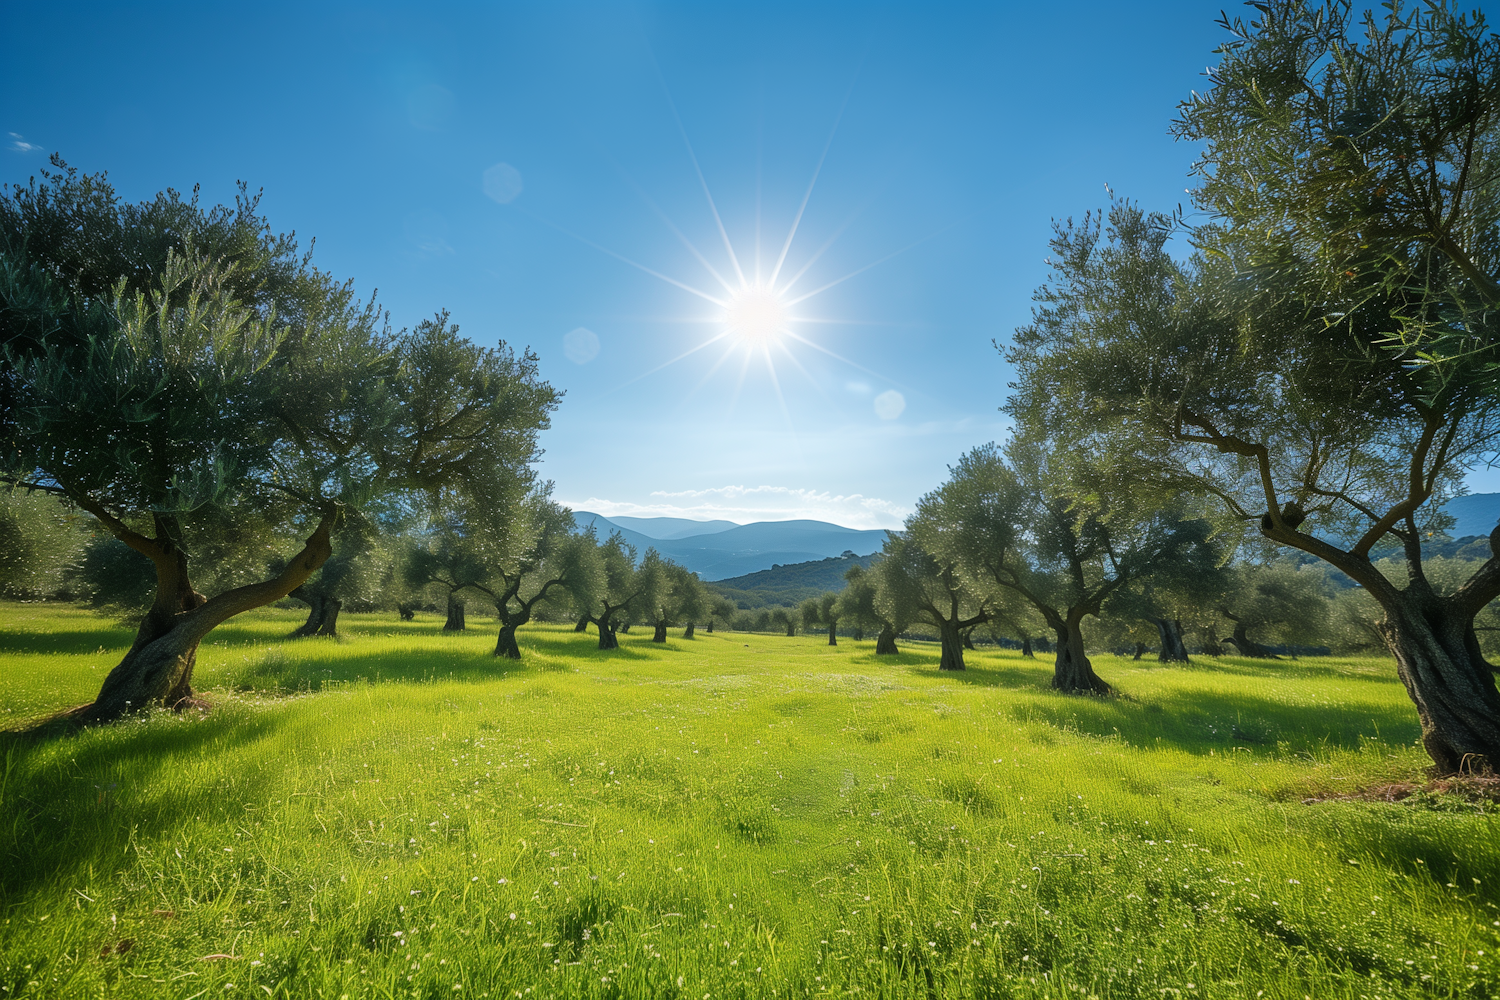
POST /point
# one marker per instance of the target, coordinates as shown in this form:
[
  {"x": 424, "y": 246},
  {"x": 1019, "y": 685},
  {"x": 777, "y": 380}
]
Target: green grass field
[{"x": 398, "y": 814}]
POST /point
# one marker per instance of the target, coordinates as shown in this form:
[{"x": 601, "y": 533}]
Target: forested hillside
[{"x": 787, "y": 586}]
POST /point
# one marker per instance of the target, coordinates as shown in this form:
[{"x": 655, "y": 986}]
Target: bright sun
[{"x": 755, "y": 314}]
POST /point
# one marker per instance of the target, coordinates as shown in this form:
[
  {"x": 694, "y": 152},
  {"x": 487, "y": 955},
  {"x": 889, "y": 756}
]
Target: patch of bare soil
[{"x": 1461, "y": 792}]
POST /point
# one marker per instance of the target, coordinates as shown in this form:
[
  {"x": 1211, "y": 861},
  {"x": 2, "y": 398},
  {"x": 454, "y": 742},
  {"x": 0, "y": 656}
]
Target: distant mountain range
[
  {"x": 1476, "y": 514},
  {"x": 716, "y": 550},
  {"x": 719, "y": 550}
]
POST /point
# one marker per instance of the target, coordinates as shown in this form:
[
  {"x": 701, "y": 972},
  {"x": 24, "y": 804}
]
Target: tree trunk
[
  {"x": 406, "y": 611},
  {"x": 709, "y": 629},
  {"x": 687, "y": 633},
  {"x": 1438, "y": 659},
  {"x": 158, "y": 668},
  {"x": 833, "y": 633},
  {"x": 660, "y": 635},
  {"x": 607, "y": 638},
  {"x": 885, "y": 643},
  {"x": 1073, "y": 672},
  {"x": 582, "y": 626},
  {"x": 455, "y": 622},
  {"x": 968, "y": 635},
  {"x": 1140, "y": 651},
  {"x": 791, "y": 629},
  {"x": 625, "y": 628},
  {"x": 1172, "y": 648},
  {"x": 316, "y": 608},
  {"x": 1212, "y": 647},
  {"x": 952, "y": 641},
  {"x": 1026, "y": 647},
  {"x": 1249, "y": 647},
  {"x": 331, "y": 608},
  {"x": 859, "y": 633},
  {"x": 506, "y": 645}
]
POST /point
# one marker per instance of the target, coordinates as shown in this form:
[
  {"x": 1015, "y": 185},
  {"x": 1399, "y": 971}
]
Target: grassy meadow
[{"x": 397, "y": 814}]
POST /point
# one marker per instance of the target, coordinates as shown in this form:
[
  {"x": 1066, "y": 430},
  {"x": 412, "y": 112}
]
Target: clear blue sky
[{"x": 954, "y": 134}]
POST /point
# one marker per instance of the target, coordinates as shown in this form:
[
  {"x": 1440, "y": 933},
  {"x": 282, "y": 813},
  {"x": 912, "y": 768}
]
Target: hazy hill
[
  {"x": 787, "y": 586},
  {"x": 671, "y": 527},
  {"x": 1476, "y": 514},
  {"x": 741, "y": 549}
]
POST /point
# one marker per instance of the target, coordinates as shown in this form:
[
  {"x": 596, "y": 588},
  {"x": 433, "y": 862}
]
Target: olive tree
[
  {"x": 1294, "y": 414},
  {"x": 523, "y": 557},
  {"x": 609, "y": 588},
  {"x": 169, "y": 389},
  {"x": 1045, "y": 519},
  {"x": 869, "y": 601},
  {"x": 915, "y": 583}
]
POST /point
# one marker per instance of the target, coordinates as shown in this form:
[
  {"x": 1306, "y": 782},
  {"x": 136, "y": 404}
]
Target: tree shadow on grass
[
  {"x": 1196, "y": 721},
  {"x": 71, "y": 643},
  {"x": 1309, "y": 668},
  {"x": 1018, "y": 676},
  {"x": 1422, "y": 840},
  {"x": 74, "y": 804},
  {"x": 302, "y": 665},
  {"x": 573, "y": 647}
]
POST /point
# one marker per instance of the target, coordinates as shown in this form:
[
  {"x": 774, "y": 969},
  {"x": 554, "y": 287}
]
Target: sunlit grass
[{"x": 399, "y": 814}]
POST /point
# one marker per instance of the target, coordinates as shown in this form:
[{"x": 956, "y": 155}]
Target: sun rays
[{"x": 756, "y": 321}]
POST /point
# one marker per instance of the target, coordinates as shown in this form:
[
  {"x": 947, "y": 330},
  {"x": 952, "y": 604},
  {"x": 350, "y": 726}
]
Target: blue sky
[{"x": 528, "y": 166}]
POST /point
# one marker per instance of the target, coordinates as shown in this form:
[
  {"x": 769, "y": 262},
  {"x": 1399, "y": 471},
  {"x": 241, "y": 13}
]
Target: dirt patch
[{"x": 1459, "y": 791}]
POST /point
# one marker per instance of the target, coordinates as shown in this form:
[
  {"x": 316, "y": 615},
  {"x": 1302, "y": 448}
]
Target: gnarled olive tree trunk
[
  {"x": 158, "y": 668},
  {"x": 322, "y": 613},
  {"x": 687, "y": 633},
  {"x": 660, "y": 632},
  {"x": 455, "y": 622},
  {"x": 1172, "y": 648},
  {"x": 833, "y": 633},
  {"x": 607, "y": 639},
  {"x": 1453, "y": 687},
  {"x": 951, "y": 639},
  {"x": 885, "y": 642},
  {"x": 1433, "y": 640},
  {"x": 506, "y": 645},
  {"x": 1247, "y": 646},
  {"x": 1072, "y": 672},
  {"x": 1026, "y": 648}
]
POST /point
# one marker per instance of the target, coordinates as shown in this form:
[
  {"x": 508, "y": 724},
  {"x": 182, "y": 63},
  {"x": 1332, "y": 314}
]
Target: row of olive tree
[
  {"x": 1320, "y": 367},
  {"x": 531, "y": 557}
]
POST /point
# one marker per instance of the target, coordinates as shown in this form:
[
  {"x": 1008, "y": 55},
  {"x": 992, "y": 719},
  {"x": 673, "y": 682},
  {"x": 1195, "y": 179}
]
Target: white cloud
[
  {"x": 889, "y": 405},
  {"x": 20, "y": 145},
  {"x": 744, "y": 504},
  {"x": 502, "y": 183},
  {"x": 581, "y": 346}
]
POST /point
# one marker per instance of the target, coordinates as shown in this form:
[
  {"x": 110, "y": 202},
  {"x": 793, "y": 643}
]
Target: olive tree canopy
[
  {"x": 173, "y": 370},
  {"x": 1323, "y": 366}
]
